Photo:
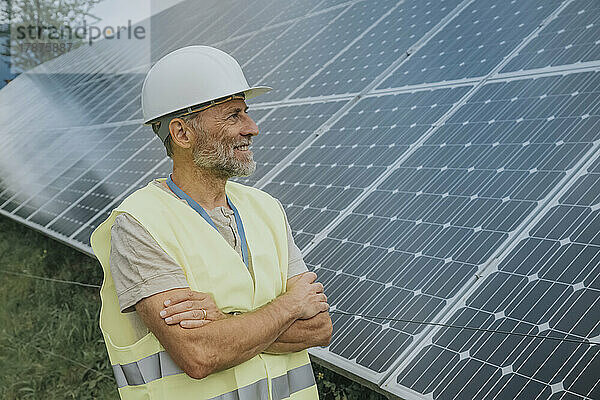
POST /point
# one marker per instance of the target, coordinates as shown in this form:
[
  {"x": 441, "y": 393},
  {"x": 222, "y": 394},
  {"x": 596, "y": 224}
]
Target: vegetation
[{"x": 50, "y": 344}]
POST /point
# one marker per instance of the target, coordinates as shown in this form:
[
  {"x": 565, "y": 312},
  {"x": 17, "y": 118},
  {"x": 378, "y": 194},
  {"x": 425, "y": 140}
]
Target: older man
[{"x": 205, "y": 294}]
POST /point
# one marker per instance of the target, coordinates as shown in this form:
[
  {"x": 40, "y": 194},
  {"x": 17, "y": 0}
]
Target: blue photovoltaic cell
[
  {"x": 547, "y": 285},
  {"x": 472, "y": 43},
  {"x": 42, "y": 173},
  {"x": 103, "y": 157},
  {"x": 278, "y": 50},
  {"x": 573, "y": 37},
  {"x": 438, "y": 217},
  {"x": 323, "y": 46},
  {"x": 244, "y": 49},
  {"x": 387, "y": 42},
  {"x": 132, "y": 161},
  {"x": 283, "y": 130},
  {"x": 216, "y": 22},
  {"x": 338, "y": 166}
]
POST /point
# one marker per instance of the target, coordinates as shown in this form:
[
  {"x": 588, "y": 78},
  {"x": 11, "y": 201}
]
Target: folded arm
[
  {"x": 227, "y": 342},
  {"x": 301, "y": 334},
  {"x": 304, "y": 334}
]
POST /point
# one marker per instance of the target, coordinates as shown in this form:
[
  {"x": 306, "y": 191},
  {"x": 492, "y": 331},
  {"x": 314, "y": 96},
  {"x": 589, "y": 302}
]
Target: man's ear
[{"x": 181, "y": 135}]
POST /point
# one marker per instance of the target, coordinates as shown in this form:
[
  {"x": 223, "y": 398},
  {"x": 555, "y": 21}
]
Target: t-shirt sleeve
[
  {"x": 296, "y": 264},
  {"x": 139, "y": 266}
]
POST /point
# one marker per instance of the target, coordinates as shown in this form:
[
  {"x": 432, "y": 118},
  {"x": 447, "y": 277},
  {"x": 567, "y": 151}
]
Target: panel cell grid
[
  {"x": 111, "y": 149},
  {"x": 326, "y": 177},
  {"x": 547, "y": 285},
  {"x": 324, "y": 46},
  {"x": 473, "y": 43},
  {"x": 102, "y": 193},
  {"x": 388, "y": 41},
  {"x": 283, "y": 130},
  {"x": 438, "y": 217},
  {"x": 277, "y": 51},
  {"x": 573, "y": 37}
]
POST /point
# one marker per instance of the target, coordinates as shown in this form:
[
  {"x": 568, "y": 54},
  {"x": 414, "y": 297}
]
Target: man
[{"x": 205, "y": 295}]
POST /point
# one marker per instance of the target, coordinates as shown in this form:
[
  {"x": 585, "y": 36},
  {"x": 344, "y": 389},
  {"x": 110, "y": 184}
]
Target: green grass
[
  {"x": 42, "y": 324},
  {"x": 50, "y": 344}
]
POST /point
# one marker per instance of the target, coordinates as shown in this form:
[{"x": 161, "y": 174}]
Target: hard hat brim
[
  {"x": 249, "y": 93},
  {"x": 256, "y": 91}
]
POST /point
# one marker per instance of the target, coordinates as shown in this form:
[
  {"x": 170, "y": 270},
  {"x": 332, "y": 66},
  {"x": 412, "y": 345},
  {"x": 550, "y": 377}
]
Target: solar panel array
[{"x": 438, "y": 161}]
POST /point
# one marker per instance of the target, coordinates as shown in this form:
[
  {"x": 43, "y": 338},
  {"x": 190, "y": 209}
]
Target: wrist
[{"x": 288, "y": 306}]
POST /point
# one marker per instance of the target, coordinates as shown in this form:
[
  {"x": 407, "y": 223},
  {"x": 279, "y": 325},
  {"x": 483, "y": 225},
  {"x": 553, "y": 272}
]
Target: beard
[{"x": 219, "y": 156}]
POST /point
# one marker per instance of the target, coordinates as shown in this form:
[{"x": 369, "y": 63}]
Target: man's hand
[
  {"x": 186, "y": 309},
  {"x": 307, "y": 295}
]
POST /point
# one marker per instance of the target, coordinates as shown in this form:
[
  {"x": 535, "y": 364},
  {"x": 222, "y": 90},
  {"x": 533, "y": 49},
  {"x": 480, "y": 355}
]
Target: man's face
[{"x": 225, "y": 133}]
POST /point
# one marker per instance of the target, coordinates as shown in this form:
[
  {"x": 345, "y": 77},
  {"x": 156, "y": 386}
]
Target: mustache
[{"x": 244, "y": 143}]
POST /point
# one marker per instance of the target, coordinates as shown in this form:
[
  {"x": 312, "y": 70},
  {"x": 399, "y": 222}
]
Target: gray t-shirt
[{"x": 141, "y": 268}]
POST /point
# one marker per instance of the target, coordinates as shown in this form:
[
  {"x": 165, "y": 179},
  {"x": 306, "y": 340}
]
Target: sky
[
  {"x": 118, "y": 12},
  {"x": 113, "y": 13}
]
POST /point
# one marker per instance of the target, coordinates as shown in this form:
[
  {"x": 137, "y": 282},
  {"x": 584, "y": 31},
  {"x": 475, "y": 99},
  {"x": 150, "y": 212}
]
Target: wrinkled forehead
[{"x": 228, "y": 106}]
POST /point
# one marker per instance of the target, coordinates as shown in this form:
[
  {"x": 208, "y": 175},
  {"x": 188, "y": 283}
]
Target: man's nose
[{"x": 250, "y": 127}]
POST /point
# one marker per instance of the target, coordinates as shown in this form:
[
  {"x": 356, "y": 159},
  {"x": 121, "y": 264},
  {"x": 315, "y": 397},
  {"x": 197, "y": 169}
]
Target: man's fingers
[
  {"x": 319, "y": 287},
  {"x": 181, "y": 296},
  {"x": 184, "y": 306},
  {"x": 187, "y": 315},
  {"x": 192, "y": 323},
  {"x": 309, "y": 276}
]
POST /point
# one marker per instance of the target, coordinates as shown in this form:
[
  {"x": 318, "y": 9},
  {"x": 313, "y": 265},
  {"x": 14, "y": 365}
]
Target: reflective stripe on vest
[
  {"x": 159, "y": 365},
  {"x": 294, "y": 381},
  {"x": 146, "y": 370}
]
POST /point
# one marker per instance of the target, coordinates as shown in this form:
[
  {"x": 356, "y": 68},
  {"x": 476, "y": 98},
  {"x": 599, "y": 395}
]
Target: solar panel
[
  {"x": 547, "y": 284},
  {"x": 377, "y": 48},
  {"x": 570, "y": 38},
  {"x": 438, "y": 162},
  {"x": 473, "y": 42},
  {"x": 327, "y": 42},
  {"x": 329, "y": 174},
  {"x": 277, "y": 51},
  {"x": 283, "y": 129}
]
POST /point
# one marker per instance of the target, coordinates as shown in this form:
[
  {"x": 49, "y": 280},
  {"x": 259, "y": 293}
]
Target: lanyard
[{"x": 198, "y": 208}]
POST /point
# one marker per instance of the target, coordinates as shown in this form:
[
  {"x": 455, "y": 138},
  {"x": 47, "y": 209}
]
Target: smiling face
[{"x": 224, "y": 135}]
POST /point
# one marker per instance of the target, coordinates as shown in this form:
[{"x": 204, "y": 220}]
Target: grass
[
  {"x": 44, "y": 325},
  {"x": 50, "y": 344}
]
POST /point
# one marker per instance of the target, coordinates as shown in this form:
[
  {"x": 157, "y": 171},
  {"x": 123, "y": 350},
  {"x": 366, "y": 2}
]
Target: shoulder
[
  {"x": 125, "y": 222},
  {"x": 149, "y": 197}
]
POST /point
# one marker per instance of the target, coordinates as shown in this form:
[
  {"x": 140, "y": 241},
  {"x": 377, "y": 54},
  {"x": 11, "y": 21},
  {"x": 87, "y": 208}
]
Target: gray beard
[{"x": 220, "y": 158}]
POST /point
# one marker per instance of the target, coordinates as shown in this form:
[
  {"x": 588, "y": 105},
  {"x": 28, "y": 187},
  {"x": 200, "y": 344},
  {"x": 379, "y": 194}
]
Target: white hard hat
[{"x": 189, "y": 77}]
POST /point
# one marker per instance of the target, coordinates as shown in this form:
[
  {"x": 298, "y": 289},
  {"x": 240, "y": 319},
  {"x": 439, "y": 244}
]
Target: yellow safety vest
[{"x": 142, "y": 368}]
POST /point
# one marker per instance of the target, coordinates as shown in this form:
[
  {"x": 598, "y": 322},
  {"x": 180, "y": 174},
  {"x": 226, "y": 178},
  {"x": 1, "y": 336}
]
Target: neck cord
[{"x": 198, "y": 208}]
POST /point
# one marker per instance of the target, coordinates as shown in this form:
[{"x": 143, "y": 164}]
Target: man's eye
[{"x": 233, "y": 116}]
